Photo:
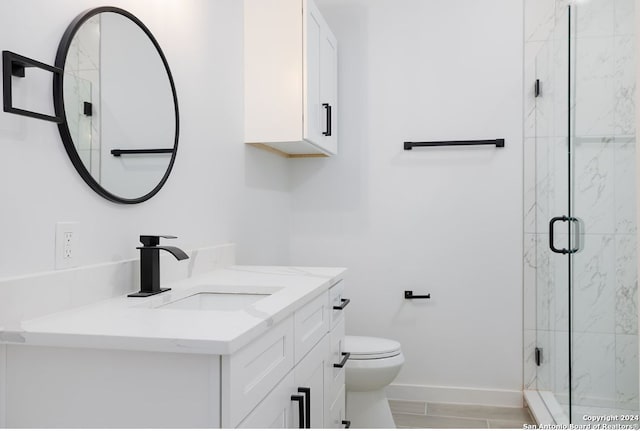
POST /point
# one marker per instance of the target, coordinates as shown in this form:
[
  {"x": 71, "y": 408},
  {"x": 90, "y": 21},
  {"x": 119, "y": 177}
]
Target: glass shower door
[
  {"x": 552, "y": 203},
  {"x": 602, "y": 310},
  {"x": 586, "y": 276}
]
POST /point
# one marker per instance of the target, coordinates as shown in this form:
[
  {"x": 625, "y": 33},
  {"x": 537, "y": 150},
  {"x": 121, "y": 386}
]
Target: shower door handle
[
  {"x": 552, "y": 246},
  {"x": 552, "y": 222}
]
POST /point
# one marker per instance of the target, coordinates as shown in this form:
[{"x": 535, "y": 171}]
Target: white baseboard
[{"x": 453, "y": 395}]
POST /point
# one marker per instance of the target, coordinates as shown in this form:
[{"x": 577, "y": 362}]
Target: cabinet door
[
  {"x": 336, "y": 413},
  {"x": 250, "y": 373},
  {"x": 313, "y": 25},
  {"x": 309, "y": 377},
  {"x": 276, "y": 410},
  {"x": 279, "y": 410},
  {"x": 334, "y": 376},
  {"x": 329, "y": 90}
]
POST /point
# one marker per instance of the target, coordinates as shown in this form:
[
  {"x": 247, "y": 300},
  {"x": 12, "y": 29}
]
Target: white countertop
[{"x": 137, "y": 323}]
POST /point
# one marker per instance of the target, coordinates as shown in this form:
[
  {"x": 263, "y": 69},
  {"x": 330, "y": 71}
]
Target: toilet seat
[{"x": 367, "y": 348}]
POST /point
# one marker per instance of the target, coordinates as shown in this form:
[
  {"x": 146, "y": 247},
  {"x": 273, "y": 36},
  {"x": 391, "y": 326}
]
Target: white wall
[
  {"x": 220, "y": 190},
  {"x": 445, "y": 221}
]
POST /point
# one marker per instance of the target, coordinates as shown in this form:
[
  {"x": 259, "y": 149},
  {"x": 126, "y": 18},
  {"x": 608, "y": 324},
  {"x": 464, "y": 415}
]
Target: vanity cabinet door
[
  {"x": 306, "y": 381},
  {"x": 309, "y": 379},
  {"x": 249, "y": 374},
  {"x": 277, "y": 410},
  {"x": 335, "y": 375},
  {"x": 336, "y": 413}
]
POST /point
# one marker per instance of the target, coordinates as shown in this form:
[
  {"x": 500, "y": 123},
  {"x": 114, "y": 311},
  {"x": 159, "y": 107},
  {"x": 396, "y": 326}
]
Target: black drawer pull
[
  {"x": 344, "y": 303},
  {"x": 299, "y": 399},
  {"x": 347, "y": 424},
  {"x": 327, "y": 132},
  {"x": 344, "y": 360}
]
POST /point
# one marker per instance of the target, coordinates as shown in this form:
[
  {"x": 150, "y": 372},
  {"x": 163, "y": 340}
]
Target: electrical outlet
[{"x": 66, "y": 244}]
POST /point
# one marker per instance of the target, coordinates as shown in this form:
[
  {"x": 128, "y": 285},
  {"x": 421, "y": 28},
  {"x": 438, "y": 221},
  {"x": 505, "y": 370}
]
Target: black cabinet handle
[
  {"x": 307, "y": 402},
  {"x": 347, "y": 424},
  {"x": 343, "y": 303},
  {"x": 552, "y": 222},
  {"x": 328, "y": 109},
  {"x": 342, "y": 363},
  {"x": 299, "y": 399}
]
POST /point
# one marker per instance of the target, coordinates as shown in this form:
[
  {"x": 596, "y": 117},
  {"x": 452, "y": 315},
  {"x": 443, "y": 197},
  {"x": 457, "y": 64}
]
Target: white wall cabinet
[
  {"x": 291, "y": 70},
  {"x": 61, "y": 387}
]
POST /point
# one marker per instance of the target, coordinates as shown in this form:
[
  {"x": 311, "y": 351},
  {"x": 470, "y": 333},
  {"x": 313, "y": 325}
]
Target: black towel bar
[
  {"x": 14, "y": 65},
  {"x": 497, "y": 142}
]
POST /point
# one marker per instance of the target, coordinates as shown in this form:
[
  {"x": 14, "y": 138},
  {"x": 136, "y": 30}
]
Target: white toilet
[{"x": 373, "y": 364}]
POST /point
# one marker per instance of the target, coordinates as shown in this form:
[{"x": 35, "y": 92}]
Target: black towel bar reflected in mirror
[{"x": 118, "y": 153}]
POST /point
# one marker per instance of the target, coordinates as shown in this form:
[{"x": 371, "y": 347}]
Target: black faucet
[{"x": 150, "y": 263}]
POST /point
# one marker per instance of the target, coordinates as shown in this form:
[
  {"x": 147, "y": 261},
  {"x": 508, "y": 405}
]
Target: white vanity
[{"x": 239, "y": 347}]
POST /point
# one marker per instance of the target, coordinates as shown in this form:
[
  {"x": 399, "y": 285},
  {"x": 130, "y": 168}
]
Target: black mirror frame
[{"x": 58, "y": 102}]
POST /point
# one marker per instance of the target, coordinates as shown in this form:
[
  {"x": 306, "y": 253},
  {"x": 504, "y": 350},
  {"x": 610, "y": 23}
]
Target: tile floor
[{"x": 420, "y": 414}]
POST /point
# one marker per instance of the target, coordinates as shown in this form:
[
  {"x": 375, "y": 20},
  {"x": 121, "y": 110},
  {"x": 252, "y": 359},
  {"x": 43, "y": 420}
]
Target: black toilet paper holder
[{"x": 408, "y": 294}]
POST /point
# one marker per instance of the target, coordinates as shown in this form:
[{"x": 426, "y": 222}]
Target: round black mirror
[{"x": 118, "y": 101}]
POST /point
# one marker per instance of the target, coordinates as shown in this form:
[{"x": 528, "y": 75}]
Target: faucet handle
[{"x": 154, "y": 240}]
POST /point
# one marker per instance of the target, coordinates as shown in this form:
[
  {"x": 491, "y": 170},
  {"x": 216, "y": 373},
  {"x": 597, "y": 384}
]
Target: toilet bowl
[{"x": 372, "y": 366}]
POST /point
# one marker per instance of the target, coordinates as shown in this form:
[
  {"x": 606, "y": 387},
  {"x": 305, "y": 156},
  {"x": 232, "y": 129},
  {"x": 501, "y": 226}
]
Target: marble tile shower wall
[
  {"x": 82, "y": 84},
  {"x": 605, "y": 343}
]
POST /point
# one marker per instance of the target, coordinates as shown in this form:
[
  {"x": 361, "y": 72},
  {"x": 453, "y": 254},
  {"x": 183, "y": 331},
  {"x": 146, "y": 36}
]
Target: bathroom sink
[
  {"x": 215, "y": 301},
  {"x": 218, "y": 298}
]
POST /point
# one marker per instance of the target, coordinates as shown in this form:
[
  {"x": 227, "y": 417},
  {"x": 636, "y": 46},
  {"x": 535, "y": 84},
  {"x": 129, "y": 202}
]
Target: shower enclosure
[{"x": 581, "y": 253}]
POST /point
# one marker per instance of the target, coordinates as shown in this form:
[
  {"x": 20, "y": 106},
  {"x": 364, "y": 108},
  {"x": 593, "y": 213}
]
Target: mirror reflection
[{"x": 118, "y": 96}]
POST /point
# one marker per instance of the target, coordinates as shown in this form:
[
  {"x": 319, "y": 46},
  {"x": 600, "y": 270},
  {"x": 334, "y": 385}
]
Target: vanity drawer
[
  {"x": 334, "y": 376},
  {"x": 311, "y": 324},
  {"x": 249, "y": 374},
  {"x": 336, "y": 300}
]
